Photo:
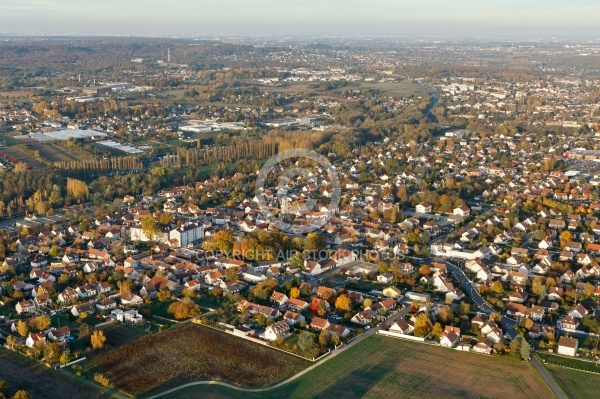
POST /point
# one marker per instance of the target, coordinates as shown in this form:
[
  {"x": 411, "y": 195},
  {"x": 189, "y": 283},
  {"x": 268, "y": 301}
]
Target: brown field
[
  {"x": 381, "y": 367},
  {"x": 575, "y": 384},
  {"x": 16, "y": 94},
  {"x": 20, "y": 372},
  {"x": 190, "y": 353}
]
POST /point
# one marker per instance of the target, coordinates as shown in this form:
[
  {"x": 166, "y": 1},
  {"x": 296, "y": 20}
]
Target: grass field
[
  {"x": 575, "y": 384},
  {"x": 22, "y": 157},
  {"x": 381, "y": 367},
  {"x": 118, "y": 334},
  {"x": 188, "y": 353},
  {"x": 20, "y": 372},
  {"x": 53, "y": 153}
]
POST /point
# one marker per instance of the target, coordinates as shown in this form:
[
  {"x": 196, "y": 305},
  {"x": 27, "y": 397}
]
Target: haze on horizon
[{"x": 462, "y": 18}]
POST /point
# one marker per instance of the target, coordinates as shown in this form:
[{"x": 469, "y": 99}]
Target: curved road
[{"x": 331, "y": 355}]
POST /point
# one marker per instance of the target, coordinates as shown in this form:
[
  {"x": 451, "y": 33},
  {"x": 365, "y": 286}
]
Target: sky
[{"x": 416, "y": 18}]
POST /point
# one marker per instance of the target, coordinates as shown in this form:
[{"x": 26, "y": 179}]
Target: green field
[
  {"x": 575, "y": 384},
  {"x": 381, "y": 367}
]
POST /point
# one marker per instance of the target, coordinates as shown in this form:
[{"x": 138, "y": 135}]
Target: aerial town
[{"x": 437, "y": 202}]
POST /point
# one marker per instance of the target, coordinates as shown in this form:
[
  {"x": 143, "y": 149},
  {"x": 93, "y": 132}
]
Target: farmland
[
  {"x": 20, "y": 156},
  {"x": 52, "y": 152},
  {"x": 576, "y": 384},
  {"x": 20, "y": 372},
  {"x": 385, "y": 367},
  {"x": 190, "y": 353}
]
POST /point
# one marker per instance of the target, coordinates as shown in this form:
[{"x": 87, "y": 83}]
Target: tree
[
  {"x": 313, "y": 242},
  {"x": 497, "y": 287},
  {"x": 232, "y": 274},
  {"x": 322, "y": 308},
  {"x": 424, "y": 270},
  {"x": 164, "y": 294},
  {"x": 64, "y": 359},
  {"x": 294, "y": 292},
  {"x": 98, "y": 339},
  {"x": 3, "y": 387},
  {"x": 22, "y": 328},
  {"x": 224, "y": 241},
  {"x": 307, "y": 345},
  {"x": 83, "y": 316},
  {"x": 165, "y": 219},
  {"x": 464, "y": 309},
  {"x": 525, "y": 349},
  {"x": 343, "y": 303},
  {"x": 367, "y": 303},
  {"x": 324, "y": 337},
  {"x": 437, "y": 331},
  {"x": 21, "y": 394},
  {"x": 515, "y": 345},
  {"x": 150, "y": 227},
  {"x": 184, "y": 309},
  {"x": 335, "y": 339},
  {"x": 40, "y": 323},
  {"x": 296, "y": 261},
  {"x": 422, "y": 325},
  {"x": 52, "y": 352},
  {"x": 101, "y": 379},
  {"x": 55, "y": 251},
  {"x": 11, "y": 341},
  {"x": 537, "y": 285},
  {"x": 84, "y": 331},
  {"x": 565, "y": 237},
  {"x": 495, "y": 316}
]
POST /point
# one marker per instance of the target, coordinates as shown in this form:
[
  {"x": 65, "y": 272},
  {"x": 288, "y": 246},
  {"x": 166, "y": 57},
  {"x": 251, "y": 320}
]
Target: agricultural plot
[
  {"x": 22, "y": 157},
  {"x": 188, "y": 353},
  {"x": 52, "y": 153},
  {"x": 381, "y": 367},
  {"x": 20, "y": 372},
  {"x": 575, "y": 384}
]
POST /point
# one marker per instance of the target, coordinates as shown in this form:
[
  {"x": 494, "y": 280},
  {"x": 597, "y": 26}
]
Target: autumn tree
[
  {"x": 294, "y": 292},
  {"x": 150, "y": 227},
  {"x": 437, "y": 331},
  {"x": 77, "y": 189},
  {"x": 424, "y": 270},
  {"x": 367, "y": 303},
  {"x": 52, "y": 352},
  {"x": 184, "y": 309},
  {"x": 343, "y": 303},
  {"x": 21, "y": 394},
  {"x": 64, "y": 359},
  {"x": 40, "y": 323},
  {"x": 422, "y": 325},
  {"x": 164, "y": 294},
  {"x": 324, "y": 337},
  {"x": 22, "y": 328},
  {"x": 84, "y": 331},
  {"x": 313, "y": 242},
  {"x": 98, "y": 339}
]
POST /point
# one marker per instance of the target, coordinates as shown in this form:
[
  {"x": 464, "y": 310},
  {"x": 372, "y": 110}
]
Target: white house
[{"x": 567, "y": 346}]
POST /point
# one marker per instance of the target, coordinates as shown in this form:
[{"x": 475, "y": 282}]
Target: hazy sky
[{"x": 307, "y": 17}]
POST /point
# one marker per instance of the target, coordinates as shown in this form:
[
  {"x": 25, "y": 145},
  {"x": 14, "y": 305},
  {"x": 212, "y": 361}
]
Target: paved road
[
  {"x": 460, "y": 276},
  {"x": 549, "y": 380},
  {"x": 331, "y": 355}
]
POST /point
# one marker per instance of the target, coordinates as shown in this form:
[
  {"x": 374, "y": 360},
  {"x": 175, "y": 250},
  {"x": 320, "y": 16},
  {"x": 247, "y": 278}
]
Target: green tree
[{"x": 307, "y": 345}]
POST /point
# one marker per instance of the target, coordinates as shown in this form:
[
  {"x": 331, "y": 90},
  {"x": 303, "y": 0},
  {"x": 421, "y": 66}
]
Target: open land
[
  {"x": 190, "y": 353},
  {"x": 385, "y": 367},
  {"x": 575, "y": 384}
]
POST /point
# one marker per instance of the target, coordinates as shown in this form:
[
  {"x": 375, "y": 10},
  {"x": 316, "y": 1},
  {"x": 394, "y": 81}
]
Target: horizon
[{"x": 357, "y": 18}]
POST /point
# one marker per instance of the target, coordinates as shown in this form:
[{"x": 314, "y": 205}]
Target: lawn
[
  {"x": 188, "y": 353},
  {"x": 20, "y": 372},
  {"x": 576, "y": 384},
  {"x": 381, "y": 367},
  {"x": 118, "y": 334}
]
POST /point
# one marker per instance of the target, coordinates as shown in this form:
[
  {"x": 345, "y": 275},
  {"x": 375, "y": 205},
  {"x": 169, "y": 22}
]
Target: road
[
  {"x": 547, "y": 378},
  {"x": 460, "y": 276},
  {"x": 331, "y": 355}
]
